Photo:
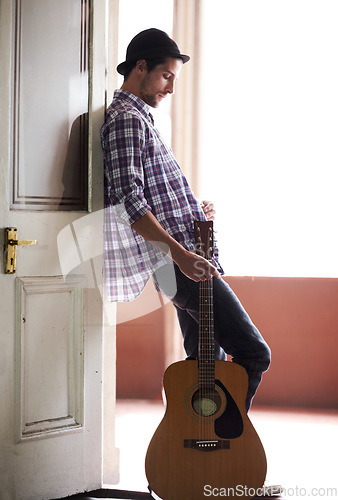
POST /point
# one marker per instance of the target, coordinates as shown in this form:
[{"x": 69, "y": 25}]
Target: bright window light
[{"x": 269, "y": 142}]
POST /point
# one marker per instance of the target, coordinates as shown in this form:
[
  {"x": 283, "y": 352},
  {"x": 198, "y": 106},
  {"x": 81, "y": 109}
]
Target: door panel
[
  {"x": 49, "y": 356},
  {"x": 50, "y": 105}
]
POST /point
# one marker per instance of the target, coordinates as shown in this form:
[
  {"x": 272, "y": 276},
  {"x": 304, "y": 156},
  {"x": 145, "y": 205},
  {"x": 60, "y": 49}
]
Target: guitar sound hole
[{"x": 206, "y": 402}]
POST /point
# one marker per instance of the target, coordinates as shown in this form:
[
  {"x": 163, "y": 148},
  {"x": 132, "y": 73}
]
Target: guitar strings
[
  {"x": 207, "y": 359},
  {"x": 207, "y": 375},
  {"x": 201, "y": 358}
]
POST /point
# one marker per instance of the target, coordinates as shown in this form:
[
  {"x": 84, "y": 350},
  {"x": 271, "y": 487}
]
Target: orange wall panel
[
  {"x": 140, "y": 357},
  {"x": 298, "y": 317}
]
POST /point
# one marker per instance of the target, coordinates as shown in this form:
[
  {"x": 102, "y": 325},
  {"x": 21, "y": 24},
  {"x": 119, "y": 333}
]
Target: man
[{"x": 144, "y": 181}]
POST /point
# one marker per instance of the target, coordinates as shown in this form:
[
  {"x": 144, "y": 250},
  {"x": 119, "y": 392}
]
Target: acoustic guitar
[{"x": 205, "y": 444}]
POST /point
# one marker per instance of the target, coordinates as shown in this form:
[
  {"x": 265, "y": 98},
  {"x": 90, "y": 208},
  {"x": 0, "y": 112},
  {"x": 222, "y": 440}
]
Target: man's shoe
[{"x": 271, "y": 490}]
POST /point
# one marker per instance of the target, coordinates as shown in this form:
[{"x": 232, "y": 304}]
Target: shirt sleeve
[{"x": 124, "y": 144}]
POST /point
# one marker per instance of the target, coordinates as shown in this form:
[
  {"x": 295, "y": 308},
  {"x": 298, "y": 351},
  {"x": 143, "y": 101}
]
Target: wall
[
  {"x": 140, "y": 346},
  {"x": 298, "y": 317},
  {"x": 140, "y": 357}
]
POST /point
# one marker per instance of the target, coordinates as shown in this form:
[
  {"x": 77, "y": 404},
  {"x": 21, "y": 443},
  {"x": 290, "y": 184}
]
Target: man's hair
[{"x": 151, "y": 64}]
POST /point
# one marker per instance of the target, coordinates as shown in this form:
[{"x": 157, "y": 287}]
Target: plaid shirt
[{"x": 141, "y": 174}]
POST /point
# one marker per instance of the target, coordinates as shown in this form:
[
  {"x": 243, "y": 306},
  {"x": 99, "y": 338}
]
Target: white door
[{"x": 53, "y": 436}]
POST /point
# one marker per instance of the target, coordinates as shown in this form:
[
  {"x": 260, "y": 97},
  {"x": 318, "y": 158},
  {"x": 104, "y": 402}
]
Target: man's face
[{"x": 160, "y": 82}]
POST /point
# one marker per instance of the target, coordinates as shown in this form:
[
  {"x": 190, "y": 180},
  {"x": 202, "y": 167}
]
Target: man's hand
[
  {"x": 208, "y": 209},
  {"x": 196, "y": 267}
]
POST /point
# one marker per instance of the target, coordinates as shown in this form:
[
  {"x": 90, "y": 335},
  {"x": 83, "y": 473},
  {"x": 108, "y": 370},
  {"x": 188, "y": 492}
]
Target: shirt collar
[{"x": 135, "y": 101}]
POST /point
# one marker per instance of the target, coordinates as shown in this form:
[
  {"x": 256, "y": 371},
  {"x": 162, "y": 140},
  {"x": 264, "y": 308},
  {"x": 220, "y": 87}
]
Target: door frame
[{"x": 103, "y": 57}]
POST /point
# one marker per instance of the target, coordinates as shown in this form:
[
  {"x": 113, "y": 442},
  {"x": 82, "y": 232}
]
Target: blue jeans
[{"x": 234, "y": 332}]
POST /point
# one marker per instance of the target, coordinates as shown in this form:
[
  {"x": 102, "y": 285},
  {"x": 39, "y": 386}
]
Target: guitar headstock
[{"x": 204, "y": 238}]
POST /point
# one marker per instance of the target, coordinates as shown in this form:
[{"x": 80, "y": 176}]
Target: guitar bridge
[{"x": 207, "y": 444}]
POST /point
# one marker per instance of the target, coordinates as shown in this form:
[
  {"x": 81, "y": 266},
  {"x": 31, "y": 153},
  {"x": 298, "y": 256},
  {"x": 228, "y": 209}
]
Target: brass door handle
[{"x": 12, "y": 242}]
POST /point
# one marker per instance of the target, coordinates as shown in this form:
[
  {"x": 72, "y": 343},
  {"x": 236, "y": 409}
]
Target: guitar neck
[
  {"x": 206, "y": 353},
  {"x": 206, "y": 360}
]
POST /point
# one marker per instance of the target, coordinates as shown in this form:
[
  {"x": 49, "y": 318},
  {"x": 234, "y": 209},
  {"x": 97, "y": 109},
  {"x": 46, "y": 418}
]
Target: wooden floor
[{"x": 301, "y": 448}]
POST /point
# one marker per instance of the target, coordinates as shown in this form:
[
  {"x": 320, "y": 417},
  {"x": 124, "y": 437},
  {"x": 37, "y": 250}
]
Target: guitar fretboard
[{"x": 206, "y": 366}]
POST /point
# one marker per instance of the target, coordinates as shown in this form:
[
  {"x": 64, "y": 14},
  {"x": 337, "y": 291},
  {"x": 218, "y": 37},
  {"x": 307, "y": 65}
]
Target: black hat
[{"x": 149, "y": 44}]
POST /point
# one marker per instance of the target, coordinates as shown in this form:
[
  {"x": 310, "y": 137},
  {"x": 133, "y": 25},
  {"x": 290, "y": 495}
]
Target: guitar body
[{"x": 205, "y": 440}]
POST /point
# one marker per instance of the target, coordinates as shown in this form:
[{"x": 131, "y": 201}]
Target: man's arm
[{"x": 195, "y": 267}]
